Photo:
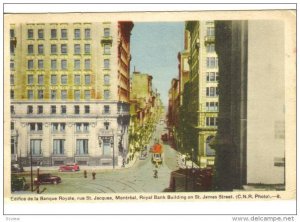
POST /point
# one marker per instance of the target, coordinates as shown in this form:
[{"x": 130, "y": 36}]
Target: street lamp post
[{"x": 193, "y": 179}]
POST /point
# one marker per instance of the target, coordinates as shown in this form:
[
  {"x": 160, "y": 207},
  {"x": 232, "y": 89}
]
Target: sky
[{"x": 154, "y": 47}]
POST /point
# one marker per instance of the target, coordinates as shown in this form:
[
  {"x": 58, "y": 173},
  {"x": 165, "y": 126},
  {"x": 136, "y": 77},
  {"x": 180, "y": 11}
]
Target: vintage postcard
[{"x": 162, "y": 106}]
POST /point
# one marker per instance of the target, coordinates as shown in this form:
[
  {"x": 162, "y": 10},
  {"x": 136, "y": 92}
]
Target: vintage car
[
  {"x": 47, "y": 178},
  {"x": 69, "y": 167},
  {"x": 18, "y": 183},
  {"x": 164, "y": 137}
]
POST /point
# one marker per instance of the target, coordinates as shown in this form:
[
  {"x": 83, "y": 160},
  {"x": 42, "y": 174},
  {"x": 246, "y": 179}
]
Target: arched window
[{"x": 208, "y": 149}]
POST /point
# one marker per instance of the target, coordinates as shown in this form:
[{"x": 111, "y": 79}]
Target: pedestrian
[
  {"x": 85, "y": 174},
  {"x": 94, "y": 175}
]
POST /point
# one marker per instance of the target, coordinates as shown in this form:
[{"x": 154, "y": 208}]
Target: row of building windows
[
  {"x": 64, "y": 64},
  {"x": 82, "y": 146},
  {"x": 53, "y": 96},
  {"x": 63, "y": 109},
  {"x": 63, "y": 33},
  {"x": 64, "y": 49}
]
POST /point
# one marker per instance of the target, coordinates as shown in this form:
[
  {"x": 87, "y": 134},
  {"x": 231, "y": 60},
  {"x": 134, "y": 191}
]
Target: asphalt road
[{"x": 138, "y": 178}]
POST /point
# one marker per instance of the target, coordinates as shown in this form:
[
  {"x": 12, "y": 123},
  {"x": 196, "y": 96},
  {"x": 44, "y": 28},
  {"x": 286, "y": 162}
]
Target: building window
[
  {"x": 76, "y": 109},
  {"x": 64, "y": 79},
  {"x": 12, "y": 125},
  {"x": 30, "y": 79},
  {"x": 106, "y": 32},
  {"x": 53, "y": 64},
  {"x": 64, "y": 33},
  {"x": 106, "y": 80},
  {"x": 212, "y": 106},
  {"x": 211, "y": 91},
  {"x": 64, "y": 64},
  {"x": 30, "y": 33},
  {"x": 53, "y": 109},
  {"x": 77, "y": 49},
  {"x": 76, "y": 33},
  {"x": 210, "y": 31},
  {"x": 87, "y": 79},
  {"x": 40, "y": 94},
  {"x": 63, "y": 109},
  {"x": 53, "y": 94},
  {"x": 106, "y": 63},
  {"x": 82, "y": 146},
  {"x": 53, "y": 49},
  {"x": 106, "y": 109},
  {"x": 77, "y": 80},
  {"x": 77, "y": 94},
  {"x": 87, "y": 48},
  {"x": 12, "y": 94},
  {"x": 41, "y": 33},
  {"x": 87, "y": 94},
  {"x": 53, "y": 79},
  {"x": 30, "y": 64},
  {"x": 30, "y": 94},
  {"x": 64, "y": 94},
  {"x": 106, "y": 49},
  {"x": 208, "y": 149},
  {"x": 106, "y": 94},
  {"x": 76, "y": 64},
  {"x": 12, "y": 79},
  {"x": 87, "y": 64},
  {"x": 87, "y": 33},
  {"x": 40, "y": 64},
  {"x": 210, "y": 48},
  {"x": 212, "y": 76},
  {"x": 106, "y": 125},
  {"x": 58, "y": 146},
  {"x": 12, "y": 110},
  {"x": 64, "y": 49},
  {"x": 86, "y": 109},
  {"x": 30, "y": 49},
  {"x": 82, "y": 127},
  {"x": 29, "y": 109},
  {"x": 53, "y": 33},
  {"x": 58, "y": 127},
  {"x": 211, "y": 62},
  {"x": 211, "y": 121},
  {"x": 36, "y": 147},
  {"x": 40, "y": 110},
  {"x": 12, "y": 64},
  {"x": 40, "y": 49},
  {"x": 40, "y": 79},
  {"x": 12, "y": 33}
]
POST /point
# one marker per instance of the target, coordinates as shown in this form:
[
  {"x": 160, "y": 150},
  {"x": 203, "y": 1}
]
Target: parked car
[
  {"x": 47, "y": 178},
  {"x": 16, "y": 168},
  {"x": 18, "y": 183},
  {"x": 69, "y": 167}
]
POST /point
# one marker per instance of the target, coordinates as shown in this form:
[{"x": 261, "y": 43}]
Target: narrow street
[{"x": 138, "y": 178}]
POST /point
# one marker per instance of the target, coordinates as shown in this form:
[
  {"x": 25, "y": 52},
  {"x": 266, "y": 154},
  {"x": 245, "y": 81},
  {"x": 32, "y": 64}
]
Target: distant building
[
  {"x": 251, "y": 127},
  {"x": 145, "y": 110},
  {"x": 70, "y": 91}
]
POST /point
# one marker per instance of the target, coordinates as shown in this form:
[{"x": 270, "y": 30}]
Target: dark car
[
  {"x": 47, "y": 178},
  {"x": 18, "y": 183},
  {"x": 69, "y": 167},
  {"x": 16, "y": 168},
  {"x": 164, "y": 137}
]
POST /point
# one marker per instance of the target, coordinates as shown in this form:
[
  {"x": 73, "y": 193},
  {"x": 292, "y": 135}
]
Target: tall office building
[
  {"x": 200, "y": 99},
  {"x": 70, "y": 90}
]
